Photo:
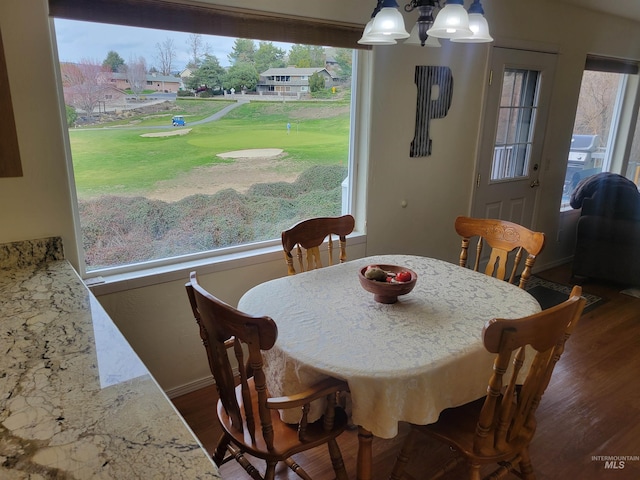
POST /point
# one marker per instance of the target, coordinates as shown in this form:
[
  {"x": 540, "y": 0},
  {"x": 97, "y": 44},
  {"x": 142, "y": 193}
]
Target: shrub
[
  {"x": 316, "y": 82},
  {"x": 278, "y": 189},
  {"x": 72, "y": 115},
  {"x": 123, "y": 230},
  {"x": 321, "y": 177},
  {"x": 323, "y": 93}
]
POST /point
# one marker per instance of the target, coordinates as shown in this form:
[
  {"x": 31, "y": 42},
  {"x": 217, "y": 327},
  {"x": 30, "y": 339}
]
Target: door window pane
[{"x": 516, "y": 119}]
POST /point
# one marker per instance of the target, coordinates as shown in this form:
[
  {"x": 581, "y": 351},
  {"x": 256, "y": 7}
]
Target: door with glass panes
[{"x": 508, "y": 172}]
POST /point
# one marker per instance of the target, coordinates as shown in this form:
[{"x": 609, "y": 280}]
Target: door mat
[
  {"x": 632, "y": 292},
  {"x": 550, "y": 294}
]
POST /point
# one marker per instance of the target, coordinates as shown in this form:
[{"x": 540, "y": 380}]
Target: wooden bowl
[{"x": 384, "y": 292}]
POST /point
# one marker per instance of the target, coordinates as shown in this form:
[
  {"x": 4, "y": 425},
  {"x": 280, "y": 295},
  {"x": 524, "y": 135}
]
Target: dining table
[{"x": 403, "y": 362}]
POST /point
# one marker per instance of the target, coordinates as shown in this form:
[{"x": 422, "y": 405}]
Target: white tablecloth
[{"x": 405, "y": 361}]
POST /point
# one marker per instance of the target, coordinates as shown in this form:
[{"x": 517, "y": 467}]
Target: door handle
[{"x": 535, "y": 183}]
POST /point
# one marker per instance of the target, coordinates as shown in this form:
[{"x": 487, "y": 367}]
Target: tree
[
  {"x": 317, "y": 55},
  {"x": 316, "y": 82},
  {"x": 137, "y": 75},
  {"x": 268, "y": 56},
  {"x": 243, "y": 51},
  {"x": 305, "y": 56},
  {"x": 344, "y": 57},
  {"x": 197, "y": 48},
  {"x": 595, "y": 106},
  {"x": 241, "y": 76},
  {"x": 166, "y": 55},
  {"x": 84, "y": 84},
  {"x": 113, "y": 62},
  {"x": 210, "y": 74}
]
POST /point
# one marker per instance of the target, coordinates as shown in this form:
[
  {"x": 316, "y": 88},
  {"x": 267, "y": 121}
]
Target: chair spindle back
[
  {"x": 508, "y": 413},
  {"x": 506, "y": 239},
  {"x": 222, "y": 327},
  {"x": 305, "y": 239}
]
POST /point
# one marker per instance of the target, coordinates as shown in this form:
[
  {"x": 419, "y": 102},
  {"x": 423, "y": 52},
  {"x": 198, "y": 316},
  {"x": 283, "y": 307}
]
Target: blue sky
[{"x": 78, "y": 40}]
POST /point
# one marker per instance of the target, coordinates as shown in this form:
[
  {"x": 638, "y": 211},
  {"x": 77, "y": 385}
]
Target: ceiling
[{"x": 622, "y": 8}]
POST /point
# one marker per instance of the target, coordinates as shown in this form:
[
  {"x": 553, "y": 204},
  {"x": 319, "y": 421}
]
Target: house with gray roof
[
  {"x": 155, "y": 81},
  {"x": 290, "y": 80}
]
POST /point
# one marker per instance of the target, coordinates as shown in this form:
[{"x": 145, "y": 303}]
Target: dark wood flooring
[{"x": 591, "y": 408}]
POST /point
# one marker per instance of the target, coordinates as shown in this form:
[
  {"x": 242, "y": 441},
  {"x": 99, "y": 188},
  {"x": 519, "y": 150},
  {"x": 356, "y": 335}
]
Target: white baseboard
[{"x": 190, "y": 387}]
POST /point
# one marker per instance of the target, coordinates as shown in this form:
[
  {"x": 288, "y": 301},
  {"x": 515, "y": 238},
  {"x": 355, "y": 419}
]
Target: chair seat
[
  {"x": 457, "y": 427},
  {"x": 286, "y": 441}
]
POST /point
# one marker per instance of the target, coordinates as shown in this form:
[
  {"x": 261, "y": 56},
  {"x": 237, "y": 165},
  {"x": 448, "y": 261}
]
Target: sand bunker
[
  {"x": 253, "y": 153},
  {"x": 169, "y": 133},
  {"x": 248, "y": 167}
]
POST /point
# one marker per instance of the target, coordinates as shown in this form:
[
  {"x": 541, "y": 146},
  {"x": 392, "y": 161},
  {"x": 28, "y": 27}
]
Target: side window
[
  {"x": 195, "y": 145},
  {"x": 601, "y": 132}
]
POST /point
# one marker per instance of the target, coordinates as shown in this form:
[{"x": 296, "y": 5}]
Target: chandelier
[{"x": 453, "y": 22}]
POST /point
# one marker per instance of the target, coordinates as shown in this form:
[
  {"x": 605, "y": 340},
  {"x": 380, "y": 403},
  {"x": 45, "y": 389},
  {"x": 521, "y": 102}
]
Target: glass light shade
[
  {"x": 414, "y": 39},
  {"x": 480, "y": 28},
  {"x": 369, "y": 39},
  {"x": 389, "y": 22},
  {"x": 451, "y": 22}
]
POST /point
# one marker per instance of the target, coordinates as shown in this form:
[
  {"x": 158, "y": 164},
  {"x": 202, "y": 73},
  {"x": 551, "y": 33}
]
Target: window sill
[
  {"x": 567, "y": 210},
  {"x": 107, "y": 284}
]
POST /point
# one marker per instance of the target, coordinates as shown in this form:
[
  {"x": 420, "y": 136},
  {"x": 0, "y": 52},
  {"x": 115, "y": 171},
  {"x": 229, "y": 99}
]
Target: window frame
[{"x": 114, "y": 279}]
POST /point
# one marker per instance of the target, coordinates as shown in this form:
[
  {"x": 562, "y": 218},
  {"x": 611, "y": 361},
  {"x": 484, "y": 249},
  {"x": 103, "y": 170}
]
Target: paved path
[
  {"x": 212, "y": 118},
  {"x": 220, "y": 114}
]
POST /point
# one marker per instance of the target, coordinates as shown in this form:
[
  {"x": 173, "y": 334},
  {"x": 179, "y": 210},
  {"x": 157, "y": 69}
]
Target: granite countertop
[{"x": 75, "y": 400}]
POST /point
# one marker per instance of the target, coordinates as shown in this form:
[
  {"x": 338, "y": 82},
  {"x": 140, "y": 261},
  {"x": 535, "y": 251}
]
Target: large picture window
[{"x": 184, "y": 143}]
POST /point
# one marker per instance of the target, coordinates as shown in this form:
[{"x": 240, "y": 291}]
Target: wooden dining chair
[
  {"x": 498, "y": 428},
  {"x": 308, "y": 235},
  {"x": 248, "y": 416},
  {"x": 508, "y": 242}
]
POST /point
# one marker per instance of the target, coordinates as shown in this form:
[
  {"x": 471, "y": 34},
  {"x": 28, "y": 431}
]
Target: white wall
[
  {"x": 37, "y": 204},
  {"x": 156, "y": 319},
  {"x": 436, "y": 188}
]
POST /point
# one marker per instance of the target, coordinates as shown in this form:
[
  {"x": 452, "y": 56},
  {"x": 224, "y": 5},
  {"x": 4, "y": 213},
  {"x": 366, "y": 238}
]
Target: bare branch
[
  {"x": 137, "y": 74},
  {"x": 85, "y": 84},
  {"x": 166, "y": 56}
]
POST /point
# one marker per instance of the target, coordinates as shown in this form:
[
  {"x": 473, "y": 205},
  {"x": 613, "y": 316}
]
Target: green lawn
[{"x": 119, "y": 160}]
